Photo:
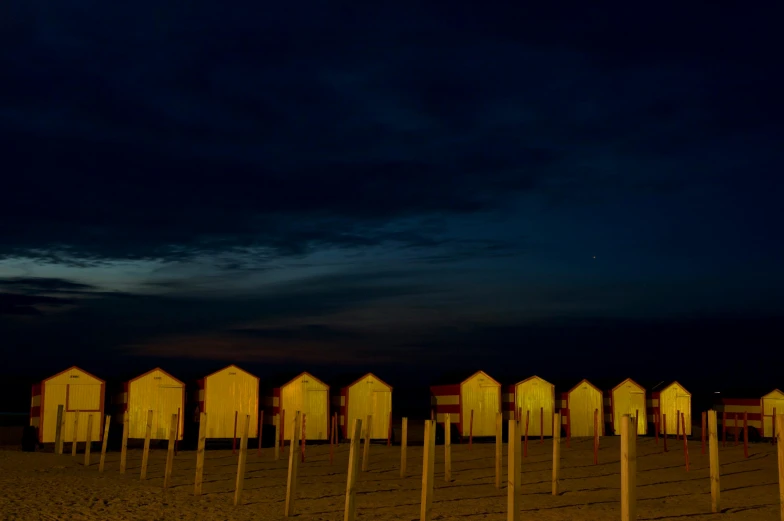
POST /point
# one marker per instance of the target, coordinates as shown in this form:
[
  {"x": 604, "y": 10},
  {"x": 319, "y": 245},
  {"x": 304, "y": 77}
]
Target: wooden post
[
  {"x": 124, "y": 447},
  {"x": 677, "y": 425},
  {"x": 713, "y": 450},
  {"x": 276, "y": 449},
  {"x": 525, "y": 443},
  {"x": 261, "y": 423},
  {"x": 58, "y": 433},
  {"x": 745, "y": 434},
  {"x": 366, "y": 453},
  {"x": 177, "y": 434},
  {"x": 332, "y": 437},
  {"x": 471, "y": 431},
  {"x": 146, "y": 452},
  {"x": 447, "y": 449},
  {"x": 541, "y": 425},
  {"x": 59, "y": 447},
  {"x": 428, "y": 469},
  {"x": 656, "y": 426},
  {"x": 628, "y": 470},
  {"x": 556, "y": 452},
  {"x": 664, "y": 431},
  {"x": 353, "y": 470},
  {"x": 499, "y": 423},
  {"x": 200, "y": 454},
  {"x": 234, "y": 438},
  {"x": 170, "y": 451},
  {"x": 282, "y": 429},
  {"x": 241, "y": 461},
  {"x": 513, "y": 472},
  {"x": 736, "y": 430},
  {"x": 596, "y": 436},
  {"x": 403, "y": 447},
  {"x": 89, "y": 440},
  {"x": 291, "y": 482},
  {"x": 685, "y": 441},
  {"x": 75, "y": 434},
  {"x": 778, "y": 423},
  {"x": 304, "y": 437},
  {"x": 389, "y": 430},
  {"x": 107, "y": 422},
  {"x": 704, "y": 422}
]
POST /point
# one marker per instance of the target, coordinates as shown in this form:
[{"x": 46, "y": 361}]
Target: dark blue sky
[{"x": 518, "y": 190}]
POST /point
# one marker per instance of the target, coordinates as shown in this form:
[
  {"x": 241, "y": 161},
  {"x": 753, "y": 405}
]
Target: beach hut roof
[{"x": 70, "y": 368}]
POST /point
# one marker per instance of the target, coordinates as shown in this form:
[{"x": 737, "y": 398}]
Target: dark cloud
[
  {"x": 15, "y": 304},
  {"x": 168, "y": 139}
]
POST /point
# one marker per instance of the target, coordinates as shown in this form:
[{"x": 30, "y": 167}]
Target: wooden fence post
[
  {"x": 107, "y": 422},
  {"x": 713, "y": 449},
  {"x": 628, "y": 470},
  {"x": 353, "y": 470},
  {"x": 200, "y": 454},
  {"x": 704, "y": 426},
  {"x": 556, "y": 452},
  {"x": 471, "y": 431},
  {"x": 447, "y": 448},
  {"x": 75, "y": 433},
  {"x": 59, "y": 447},
  {"x": 499, "y": 422},
  {"x": 58, "y": 433},
  {"x": 403, "y": 447},
  {"x": 261, "y": 424},
  {"x": 173, "y": 427},
  {"x": 276, "y": 450},
  {"x": 596, "y": 436},
  {"x": 746, "y": 434},
  {"x": 241, "y": 461},
  {"x": 234, "y": 438},
  {"x": 366, "y": 453},
  {"x": 778, "y": 422},
  {"x": 146, "y": 452},
  {"x": 513, "y": 471},
  {"x": 89, "y": 440},
  {"x": 428, "y": 470},
  {"x": 124, "y": 447},
  {"x": 291, "y": 482},
  {"x": 685, "y": 441}
]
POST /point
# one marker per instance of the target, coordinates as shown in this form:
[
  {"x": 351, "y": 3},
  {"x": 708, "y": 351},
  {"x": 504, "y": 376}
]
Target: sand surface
[{"x": 46, "y": 486}]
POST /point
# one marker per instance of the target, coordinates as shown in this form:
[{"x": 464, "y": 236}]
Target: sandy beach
[{"x": 45, "y": 486}]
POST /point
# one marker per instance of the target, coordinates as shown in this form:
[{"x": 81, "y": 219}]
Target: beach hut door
[
  {"x": 316, "y": 414},
  {"x": 382, "y": 402}
]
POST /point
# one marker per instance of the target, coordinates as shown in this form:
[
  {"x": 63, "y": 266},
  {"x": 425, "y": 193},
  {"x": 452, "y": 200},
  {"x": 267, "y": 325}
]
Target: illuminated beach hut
[
  {"x": 580, "y": 403},
  {"x": 477, "y": 396},
  {"x": 225, "y": 393},
  {"x": 308, "y": 395},
  {"x": 369, "y": 395},
  {"x": 628, "y": 397},
  {"x": 672, "y": 400},
  {"x": 155, "y": 391},
  {"x": 734, "y": 404},
  {"x": 78, "y": 392},
  {"x": 535, "y": 397}
]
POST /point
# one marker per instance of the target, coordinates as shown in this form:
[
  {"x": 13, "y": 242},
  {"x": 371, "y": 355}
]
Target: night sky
[{"x": 395, "y": 187}]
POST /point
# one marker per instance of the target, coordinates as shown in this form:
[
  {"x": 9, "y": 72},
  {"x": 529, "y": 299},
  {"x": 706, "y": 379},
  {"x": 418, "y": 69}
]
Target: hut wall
[
  {"x": 371, "y": 396},
  {"x": 76, "y": 390},
  {"x": 536, "y": 396},
  {"x": 311, "y": 397},
  {"x": 228, "y": 391},
  {"x": 732, "y": 407},
  {"x": 157, "y": 391},
  {"x": 628, "y": 398},
  {"x": 772, "y": 400},
  {"x": 583, "y": 400},
  {"x": 673, "y": 400},
  {"x": 445, "y": 399},
  {"x": 482, "y": 395}
]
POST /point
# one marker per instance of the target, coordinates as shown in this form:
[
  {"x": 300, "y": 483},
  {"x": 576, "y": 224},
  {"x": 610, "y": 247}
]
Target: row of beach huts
[{"x": 472, "y": 404}]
